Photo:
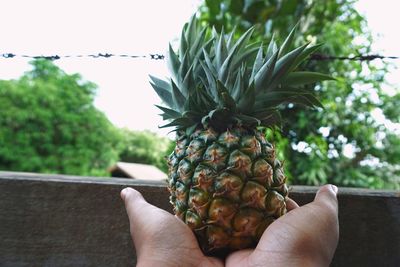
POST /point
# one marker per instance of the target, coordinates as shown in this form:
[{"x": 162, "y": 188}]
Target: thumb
[
  {"x": 140, "y": 214},
  {"x": 143, "y": 216},
  {"x": 326, "y": 196},
  {"x": 133, "y": 201},
  {"x": 135, "y": 206},
  {"x": 129, "y": 194}
]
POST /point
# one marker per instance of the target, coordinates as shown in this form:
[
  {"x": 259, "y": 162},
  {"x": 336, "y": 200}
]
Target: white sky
[
  {"x": 383, "y": 19},
  {"x": 127, "y": 27}
]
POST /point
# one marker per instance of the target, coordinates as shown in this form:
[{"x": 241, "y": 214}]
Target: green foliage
[
  {"x": 358, "y": 115},
  {"x": 145, "y": 147},
  {"x": 48, "y": 124}
]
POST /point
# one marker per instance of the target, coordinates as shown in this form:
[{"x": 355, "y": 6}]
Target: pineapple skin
[{"x": 227, "y": 186}]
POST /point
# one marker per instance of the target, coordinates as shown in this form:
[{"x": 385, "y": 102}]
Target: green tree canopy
[
  {"x": 352, "y": 142},
  {"x": 145, "y": 147},
  {"x": 48, "y": 124}
]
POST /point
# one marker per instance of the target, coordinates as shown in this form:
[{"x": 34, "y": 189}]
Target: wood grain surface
[{"x": 57, "y": 220}]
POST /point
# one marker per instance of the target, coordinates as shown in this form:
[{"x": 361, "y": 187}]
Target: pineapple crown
[{"x": 222, "y": 82}]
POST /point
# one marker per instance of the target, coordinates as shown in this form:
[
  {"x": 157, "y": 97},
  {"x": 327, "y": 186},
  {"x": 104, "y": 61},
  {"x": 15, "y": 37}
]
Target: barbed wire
[
  {"x": 98, "y": 55},
  {"x": 316, "y": 57},
  {"x": 322, "y": 57}
]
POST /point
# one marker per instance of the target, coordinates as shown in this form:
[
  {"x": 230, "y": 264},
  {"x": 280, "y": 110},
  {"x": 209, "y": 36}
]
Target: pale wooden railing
[{"x": 55, "y": 220}]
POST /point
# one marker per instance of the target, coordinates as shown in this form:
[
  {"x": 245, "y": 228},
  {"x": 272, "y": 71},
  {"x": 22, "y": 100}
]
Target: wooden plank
[{"x": 55, "y": 220}]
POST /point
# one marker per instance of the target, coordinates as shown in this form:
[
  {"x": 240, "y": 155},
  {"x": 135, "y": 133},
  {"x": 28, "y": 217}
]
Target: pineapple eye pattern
[{"x": 227, "y": 192}]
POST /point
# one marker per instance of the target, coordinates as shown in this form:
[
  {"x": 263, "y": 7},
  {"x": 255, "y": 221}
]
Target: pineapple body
[{"x": 226, "y": 186}]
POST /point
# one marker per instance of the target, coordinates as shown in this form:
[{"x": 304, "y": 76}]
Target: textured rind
[{"x": 227, "y": 187}]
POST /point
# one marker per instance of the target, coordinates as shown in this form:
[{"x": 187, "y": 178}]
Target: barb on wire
[{"x": 316, "y": 57}]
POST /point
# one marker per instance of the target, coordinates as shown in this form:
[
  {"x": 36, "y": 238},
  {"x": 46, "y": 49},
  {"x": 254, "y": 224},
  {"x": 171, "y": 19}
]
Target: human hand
[
  {"x": 160, "y": 238},
  {"x": 305, "y": 236}
]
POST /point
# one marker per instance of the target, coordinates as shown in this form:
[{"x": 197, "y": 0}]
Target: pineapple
[{"x": 224, "y": 178}]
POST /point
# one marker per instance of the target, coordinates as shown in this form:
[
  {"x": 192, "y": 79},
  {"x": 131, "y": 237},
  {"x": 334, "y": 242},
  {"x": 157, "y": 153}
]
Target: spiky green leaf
[
  {"x": 263, "y": 113},
  {"x": 183, "y": 47},
  {"x": 187, "y": 82},
  {"x": 272, "y": 48},
  {"x": 263, "y": 77},
  {"x": 284, "y": 64},
  {"x": 164, "y": 94},
  {"x": 304, "y": 54},
  {"x": 288, "y": 41},
  {"x": 209, "y": 64},
  {"x": 173, "y": 63},
  {"x": 191, "y": 31},
  {"x": 248, "y": 99},
  {"x": 288, "y": 95},
  {"x": 183, "y": 68},
  {"x": 224, "y": 98},
  {"x": 207, "y": 100},
  {"x": 244, "y": 57},
  {"x": 248, "y": 120},
  {"x": 305, "y": 77},
  {"x": 225, "y": 67},
  {"x": 169, "y": 114},
  {"x": 212, "y": 86},
  {"x": 198, "y": 43},
  {"x": 273, "y": 119},
  {"x": 306, "y": 100},
  {"x": 178, "y": 98},
  {"x": 230, "y": 41},
  {"x": 238, "y": 86},
  {"x": 180, "y": 123},
  {"x": 221, "y": 50},
  {"x": 258, "y": 62},
  {"x": 160, "y": 83}
]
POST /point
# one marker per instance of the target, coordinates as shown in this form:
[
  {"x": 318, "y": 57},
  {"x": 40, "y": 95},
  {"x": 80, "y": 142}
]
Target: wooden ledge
[{"x": 60, "y": 220}]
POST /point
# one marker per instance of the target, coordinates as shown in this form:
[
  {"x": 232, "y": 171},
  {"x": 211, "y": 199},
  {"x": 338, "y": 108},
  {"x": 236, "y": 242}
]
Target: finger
[
  {"x": 131, "y": 192},
  {"x": 143, "y": 218},
  {"x": 326, "y": 196},
  {"x": 133, "y": 200},
  {"x": 137, "y": 207},
  {"x": 291, "y": 204},
  {"x": 140, "y": 214}
]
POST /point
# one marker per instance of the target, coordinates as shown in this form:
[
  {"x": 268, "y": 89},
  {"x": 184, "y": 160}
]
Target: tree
[
  {"x": 351, "y": 142},
  {"x": 48, "y": 124},
  {"x": 145, "y": 147}
]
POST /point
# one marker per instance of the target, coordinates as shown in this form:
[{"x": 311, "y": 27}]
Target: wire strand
[
  {"x": 98, "y": 55},
  {"x": 323, "y": 57},
  {"x": 155, "y": 56}
]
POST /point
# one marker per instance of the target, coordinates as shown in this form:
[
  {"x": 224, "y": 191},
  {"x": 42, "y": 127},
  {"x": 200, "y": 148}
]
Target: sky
[
  {"x": 383, "y": 20},
  {"x": 64, "y": 27}
]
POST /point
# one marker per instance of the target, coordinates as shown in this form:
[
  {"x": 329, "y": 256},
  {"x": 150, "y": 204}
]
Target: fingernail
[
  {"x": 334, "y": 188},
  {"x": 123, "y": 193}
]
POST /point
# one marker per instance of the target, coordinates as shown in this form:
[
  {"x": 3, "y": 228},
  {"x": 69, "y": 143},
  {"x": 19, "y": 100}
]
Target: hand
[
  {"x": 160, "y": 238},
  {"x": 305, "y": 236}
]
